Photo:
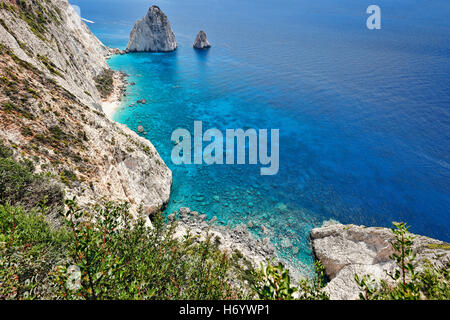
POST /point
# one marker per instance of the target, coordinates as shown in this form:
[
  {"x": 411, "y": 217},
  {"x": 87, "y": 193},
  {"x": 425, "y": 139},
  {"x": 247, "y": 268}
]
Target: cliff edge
[
  {"x": 346, "y": 250},
  {"x": 54, "y": 77}
]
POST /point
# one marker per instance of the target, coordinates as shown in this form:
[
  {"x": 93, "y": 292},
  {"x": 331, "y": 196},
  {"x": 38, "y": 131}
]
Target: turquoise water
[{"x": 364, "y": 116}]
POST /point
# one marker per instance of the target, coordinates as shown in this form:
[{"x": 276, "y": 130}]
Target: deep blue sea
[{"x": 364, "y": 116}]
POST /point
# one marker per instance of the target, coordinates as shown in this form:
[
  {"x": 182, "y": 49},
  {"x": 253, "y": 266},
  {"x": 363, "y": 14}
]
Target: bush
[
  {"x": 433, "y": 283},
  {"x": 273, "y": 282},
  {"x": 105, "y": 83},
  {"x": 29, "y": 251},
  {"x": 115, "y": 258},
  {"x": 21, "y": 186}
]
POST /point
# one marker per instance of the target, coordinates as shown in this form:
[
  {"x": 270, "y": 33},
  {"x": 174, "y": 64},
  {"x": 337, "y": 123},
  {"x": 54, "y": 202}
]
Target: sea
[{"x": 363, "y": 115}]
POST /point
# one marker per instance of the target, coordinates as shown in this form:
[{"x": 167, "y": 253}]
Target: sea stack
[
  {"x": 201, "y": 42},
  {"x": 152, "y": 33}
]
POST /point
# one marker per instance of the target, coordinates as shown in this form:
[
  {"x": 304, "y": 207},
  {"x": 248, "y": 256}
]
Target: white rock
[
  {"x": 348, "y": 250},
  {"x": 152, "y": 33},
  {"x": 201, "y": 41}
]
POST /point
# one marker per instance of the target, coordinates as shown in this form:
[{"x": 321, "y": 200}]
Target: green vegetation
[
  {"x": 273, "y": 282},
  {"x": 20, "y": 186},
  {"x": 105, "y": 83},
  {"x": 104, "y": 253},
  {"x": 50, "y": 66},
  {"x": 433, "y": 283}
]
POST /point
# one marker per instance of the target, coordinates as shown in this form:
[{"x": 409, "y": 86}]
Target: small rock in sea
[
  {"x": 286, "y": 243},
  {"x": 184, "y": 211},
  {"x": 133, "y": 84},
  {"x": 250, "y": 224},
  {"x": 195, "y": 213},
  {"x": 281, "y": 206},
  {"x": 203, "y": 217},
  {"x": 217, "y": 198},
  {"x": 265, "y": 230},
  {"x": 140, "y": 129},
  {"x": 201, "y": 41},
  {"x": 295, "y": 251},
  {"x": 214, "y": 219}
]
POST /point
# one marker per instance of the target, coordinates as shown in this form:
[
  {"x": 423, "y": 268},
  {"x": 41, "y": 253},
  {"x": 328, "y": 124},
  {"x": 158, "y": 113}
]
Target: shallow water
[{"x": 364, "y": 116}]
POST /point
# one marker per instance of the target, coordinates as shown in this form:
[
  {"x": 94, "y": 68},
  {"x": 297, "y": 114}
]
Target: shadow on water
[{"x": 202, "y": 55}]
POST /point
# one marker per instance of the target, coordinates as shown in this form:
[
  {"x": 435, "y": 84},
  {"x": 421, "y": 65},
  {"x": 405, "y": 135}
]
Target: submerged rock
[
  {"x": 201, "y": 42},
  {"x": 152, "y": 33}
]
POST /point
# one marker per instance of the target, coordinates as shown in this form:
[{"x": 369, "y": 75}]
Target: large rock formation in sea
[
  {"x": 152, "y": 33},
  {"x": 201, "y": 41},
  {"x": 55, "y": 73},
  {"x": 346, "y": 250}
]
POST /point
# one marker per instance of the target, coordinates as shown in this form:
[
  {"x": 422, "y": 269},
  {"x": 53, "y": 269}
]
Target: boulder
[
  {"x": 346, "y": 250},
  {"x": 152, "y": 33},
  {"x": 201, "y": 42}
]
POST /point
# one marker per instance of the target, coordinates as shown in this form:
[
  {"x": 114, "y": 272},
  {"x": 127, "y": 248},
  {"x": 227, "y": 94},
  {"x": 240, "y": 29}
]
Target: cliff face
[
  {"x": 53, "y": 75},
  {"x": 348, "y": 250},
  {"x": 152, "y": 33}
]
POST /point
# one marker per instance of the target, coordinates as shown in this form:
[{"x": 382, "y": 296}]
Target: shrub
[
  {"x": 273, "y": 282},
  {"x": 21, "y": 186},
  {"x": 118, "y": 259},
  {"x": 432, "y": 283},
  {"x": 29, "y": 251},
  {"x": 105, "y": 83}
]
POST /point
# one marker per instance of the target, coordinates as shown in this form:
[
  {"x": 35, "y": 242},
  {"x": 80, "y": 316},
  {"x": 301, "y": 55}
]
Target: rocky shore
[
  {"x": 346, "y": 250},
  {"x": 230, "y": 240},
  {"x": 57, "y": 79},
  {"x": 112, "y": 103}
]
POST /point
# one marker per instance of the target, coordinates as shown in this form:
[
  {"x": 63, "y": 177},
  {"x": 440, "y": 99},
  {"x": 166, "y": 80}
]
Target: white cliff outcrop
[
  {"x": 152, "y": 33},
  {"x": 201, "y": 41},
  {"x": 346, "y": 250},
  {"x": 50, "y": 68}
]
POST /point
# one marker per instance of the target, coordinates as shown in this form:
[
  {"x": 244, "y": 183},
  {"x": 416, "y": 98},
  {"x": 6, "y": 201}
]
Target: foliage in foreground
[
  {"x": 433, "y": 283},
  {"x": 273, "y": 282},
  {"x": 107, "y": 258},
  {"x": 118, "y": 259},
  {"x": 104, "y": 254}
]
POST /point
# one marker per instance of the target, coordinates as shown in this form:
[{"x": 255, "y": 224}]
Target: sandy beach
[{"x": 113, "y": 102}]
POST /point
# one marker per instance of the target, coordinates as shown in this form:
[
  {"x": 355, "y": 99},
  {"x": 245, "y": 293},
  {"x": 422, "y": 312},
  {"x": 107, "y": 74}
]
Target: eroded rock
[
  {"x": 152, "y": 33},
  {"x": 201, "y": 41}
]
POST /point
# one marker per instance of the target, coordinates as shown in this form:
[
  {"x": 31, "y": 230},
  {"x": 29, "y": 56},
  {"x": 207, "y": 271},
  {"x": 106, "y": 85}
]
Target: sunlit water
[{"x": 364, "y": 116}]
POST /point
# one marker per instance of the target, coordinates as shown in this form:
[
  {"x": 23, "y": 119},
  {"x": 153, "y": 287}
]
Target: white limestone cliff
[
  {"x": 57, "y": 59},
  {"x": 152, "y": 33}
]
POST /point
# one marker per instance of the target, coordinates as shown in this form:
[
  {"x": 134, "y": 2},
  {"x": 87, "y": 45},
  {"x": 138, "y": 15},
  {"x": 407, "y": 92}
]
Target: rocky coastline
[
  {"x": 96, "y": 159},
  {"x": 346, "y": 250},
  {"x": 112, "y": 103}
]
